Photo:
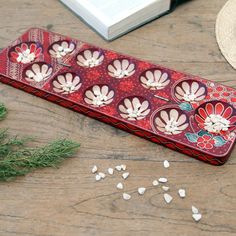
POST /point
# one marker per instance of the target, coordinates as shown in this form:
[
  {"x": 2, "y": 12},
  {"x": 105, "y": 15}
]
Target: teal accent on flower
[
  {"x": 203, "y": 132},
  {"x": 205, "y": 140},
  {"x": 191, "y": 137},
  {"x": 219, "y": 141},
  {"x": 185, "y": 106}
]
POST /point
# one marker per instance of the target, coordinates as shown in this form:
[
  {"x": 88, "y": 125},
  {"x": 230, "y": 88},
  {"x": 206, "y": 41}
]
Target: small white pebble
[
  {"x": 110, "y": 171},
  {"x": 94, "y": 169},
  {"x": 98, "y": 177},
  {"x": 119, "y": 186},
  {"x": 125, "y": 175},
  {"x": 197, "y": 217},
  {"x": 141, "y": 190},
  {"x": 165, "y": 188},
  {"x": 155, "y": 182},
  {"x": 102, "y": 175},
  {"x": 166, "y": 164},
  {"x": 118, "y": 168},
  {"x": 194, "y": 210},
  {"x": 182, "y": 193},
  {"x": 126, "y": 196},
  {"x": 167, "y": 198},
  {"x": 163, "y": 180},
  {"x": 123, "y": 167}
]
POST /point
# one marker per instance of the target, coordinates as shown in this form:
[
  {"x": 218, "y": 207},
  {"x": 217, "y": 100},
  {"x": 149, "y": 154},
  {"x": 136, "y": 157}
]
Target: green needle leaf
[
  {"x": 16, "y": 159},
  {"x": 3, "y": 111}
]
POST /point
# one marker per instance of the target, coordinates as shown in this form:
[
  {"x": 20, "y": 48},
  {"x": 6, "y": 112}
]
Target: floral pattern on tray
[
  {"x": 183, "y": 112},
  {"x": 66, "y": 83},
  {"x": 90, "y": 58},
  {"x": 99, "y": 95},
  {"x": 61, "y": 48},
  {"x": 25, "y": 52}
]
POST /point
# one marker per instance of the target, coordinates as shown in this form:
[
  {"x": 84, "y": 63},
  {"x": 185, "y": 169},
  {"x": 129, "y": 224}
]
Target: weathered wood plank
[{"x": 67, "y": 201}]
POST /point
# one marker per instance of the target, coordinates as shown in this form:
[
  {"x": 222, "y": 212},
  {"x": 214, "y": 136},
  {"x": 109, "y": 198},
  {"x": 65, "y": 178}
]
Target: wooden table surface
[{"x": 67, "y": 201}]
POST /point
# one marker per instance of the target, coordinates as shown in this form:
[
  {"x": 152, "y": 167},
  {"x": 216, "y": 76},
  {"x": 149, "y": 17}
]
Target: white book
[{"x": 113, "y": 18}]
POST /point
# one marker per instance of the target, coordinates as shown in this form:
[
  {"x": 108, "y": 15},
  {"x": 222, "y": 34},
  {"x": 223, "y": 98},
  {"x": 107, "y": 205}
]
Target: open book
[{"x": 113, "y": 18}]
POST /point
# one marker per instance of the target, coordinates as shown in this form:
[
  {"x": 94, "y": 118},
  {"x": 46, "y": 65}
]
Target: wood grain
[{"x": 67, "y": 201}]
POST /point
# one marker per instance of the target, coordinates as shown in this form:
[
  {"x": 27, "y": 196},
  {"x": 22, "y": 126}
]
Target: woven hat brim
[{"x": 226, "y": 31}]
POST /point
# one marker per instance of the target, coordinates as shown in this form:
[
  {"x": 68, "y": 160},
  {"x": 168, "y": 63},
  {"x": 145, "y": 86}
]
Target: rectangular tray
[{"x": 183, "y": 112}]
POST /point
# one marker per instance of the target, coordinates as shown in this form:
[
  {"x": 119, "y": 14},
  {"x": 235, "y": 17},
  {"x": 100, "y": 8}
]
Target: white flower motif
[
  {"x": 66, "y": 83},
  {"x": 99, "y": 95},
  {"x": 171, "y": 121},
  {"x": 192, "y": 91},
  {"x": 121, "y": 68},
  {"x": 90, "y": 58},
  {"x": 26, "y": 53},
  {"x": 134, "y": 108},
  {"x": 38, "y": 72},
  {"x": 61, "y": 49},
  {"x": 155, "y": 80}
]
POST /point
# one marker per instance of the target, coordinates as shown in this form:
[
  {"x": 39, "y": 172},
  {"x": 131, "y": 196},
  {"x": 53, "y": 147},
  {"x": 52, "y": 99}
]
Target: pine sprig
[
  {"x": 3, "y": 111},
  {"x": 21, "y": 160},
  {"x": 16, "y": 159}
]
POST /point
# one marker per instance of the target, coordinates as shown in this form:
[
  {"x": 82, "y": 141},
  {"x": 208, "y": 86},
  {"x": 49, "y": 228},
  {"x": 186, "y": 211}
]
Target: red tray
[{"x": 183, "y": 112}]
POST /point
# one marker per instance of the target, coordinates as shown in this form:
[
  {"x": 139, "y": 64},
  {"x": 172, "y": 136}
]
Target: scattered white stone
[
  {"x": 123, "y": 167},
  {"x": 197, "y": 217},
  {"x": 141, "y": 190},
  {"x": 102, "y": 175},
  {"x": 167, "y": 198},
  {"x": 98, "y": 177},
  {"x": 94, "y": 169},
  {"x": 155, "y": 182},
  {"x": 120, "y": 186},
  {"x": 194, "y": 210},
  {"x": 126, "y": 196},
  {"x": 110, "y": 171},
  {"x": 163, "y": 180},
  {"x": 166, "y": 164},
  {"x": 125, "y": 175},
  {"x": 118, "y": 168},
  {"x": 165, "y": 188},
  {"x": 182, "y": 193}
]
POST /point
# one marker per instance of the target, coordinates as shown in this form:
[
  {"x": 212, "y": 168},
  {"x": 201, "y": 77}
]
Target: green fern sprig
[
  {"x": 17, "y": 159},
  {"x": 3, "y": 111}
]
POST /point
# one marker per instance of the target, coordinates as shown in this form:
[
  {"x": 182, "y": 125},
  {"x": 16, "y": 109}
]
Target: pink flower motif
[
  {"x": 205, "y": 142},
  {"x": 61, "y": 48},
  {"x": 171, "y": 121},
  {"x": 121, "y": 68},
  {"x": 66, "y": 83},
  {"x": 90, "y": 58},
  {"x": 26, "y": 52},
  {"x": 190, "y": 91},
  {"x": 154, "y": 79},
  {"x": 134, "y": 108},
  {"x": 99, "y": 95},
  {"x": 220, "y": 93},
  {"x": 216, "y": 117}
]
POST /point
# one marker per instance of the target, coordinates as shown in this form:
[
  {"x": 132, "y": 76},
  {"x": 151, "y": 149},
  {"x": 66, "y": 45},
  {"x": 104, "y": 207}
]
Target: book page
[{"x": 113, "y": 9}]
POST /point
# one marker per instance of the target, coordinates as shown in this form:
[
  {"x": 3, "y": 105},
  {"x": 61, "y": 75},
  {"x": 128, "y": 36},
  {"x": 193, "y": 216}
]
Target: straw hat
[{"x": 226, "y": 31}]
